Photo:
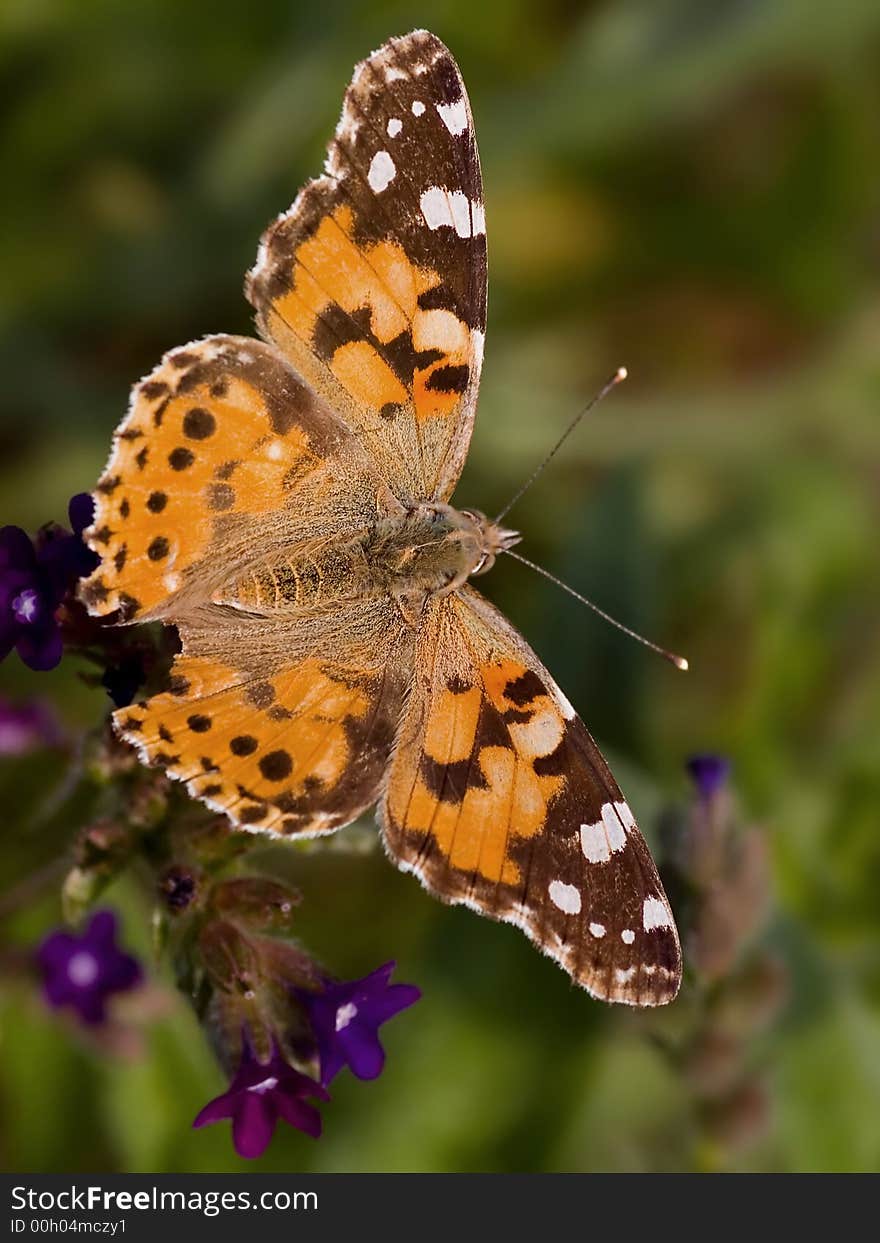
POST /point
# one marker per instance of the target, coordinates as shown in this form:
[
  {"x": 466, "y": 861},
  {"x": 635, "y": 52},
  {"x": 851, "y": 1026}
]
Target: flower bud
[{"x": 261, "y": 904}]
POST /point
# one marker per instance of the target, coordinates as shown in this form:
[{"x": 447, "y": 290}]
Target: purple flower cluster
[
  {"x": 345, "y": 1018},
  {"x": 34, "y": 578},
  {"x": 83, "y": 972}
]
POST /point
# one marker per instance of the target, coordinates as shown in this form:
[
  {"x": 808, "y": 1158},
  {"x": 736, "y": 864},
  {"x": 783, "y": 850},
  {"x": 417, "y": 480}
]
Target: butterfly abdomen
[{"x": 301, "y": 581}]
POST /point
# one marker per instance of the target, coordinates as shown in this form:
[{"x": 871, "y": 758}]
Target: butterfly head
[{"x": 494, "y": 539}]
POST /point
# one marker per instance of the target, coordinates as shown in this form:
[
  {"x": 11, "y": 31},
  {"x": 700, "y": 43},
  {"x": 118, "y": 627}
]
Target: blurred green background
[{"x": 689, "y": 187}]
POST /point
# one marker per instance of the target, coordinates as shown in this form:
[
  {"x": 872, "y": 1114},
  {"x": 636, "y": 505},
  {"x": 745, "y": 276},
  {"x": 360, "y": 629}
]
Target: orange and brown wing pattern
[
  {"x": 289, "y": 746},
  {"x": 374, "y": 283},
  {"x": 499, "y": 798},
  {"x": 218, "y": 443}
]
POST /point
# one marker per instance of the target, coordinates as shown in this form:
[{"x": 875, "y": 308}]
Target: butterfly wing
[
  {"x": 373, "y": 284},
  {"x": 285, "y": 723},
  {"x": 287, "y": 727},
  {"x": 224, "y": 456},
  {"x": 499, "y": 798}
]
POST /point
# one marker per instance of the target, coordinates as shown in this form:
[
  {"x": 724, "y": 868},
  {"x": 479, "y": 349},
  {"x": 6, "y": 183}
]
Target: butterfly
[{"x": 284, "y": 502}]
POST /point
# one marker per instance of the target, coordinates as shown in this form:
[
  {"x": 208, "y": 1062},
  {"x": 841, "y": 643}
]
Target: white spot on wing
[
  {"x": 454, "y": 116},
  {"x": 541, "y": 735},
  {"x": 382, "y": 171},
  {"x": 601, "y": 840},
  {"x": 597, "y": 930},
  {"x": 566, "y": 897},
  {"x": 394, "y": 126},
  {"x": 461, "y": 213},
  {"x": 451, "y": 208},
  {"x": 567, "y": 710},
  {"x": 417, "y": 107},
  {"x": 393, "y": 74},
  {"x": 478, "y": 218},
  {"x": 594, "y": 843},
  {"x": 623, "y": 977},
  {"x": 629, "y": 820},
  {"x": 613, "y": 827},
  {"x": 627, "y": 936},
  {"x": 479, "y": 341},
  {"x": 435, "y": 207},
  {"x": 655, "y": 914}
]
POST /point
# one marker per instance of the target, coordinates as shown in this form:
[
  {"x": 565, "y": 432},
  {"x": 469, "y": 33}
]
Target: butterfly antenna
[
  {"x": 678, "y": 661},
  {"x": 619, "y": 375}
]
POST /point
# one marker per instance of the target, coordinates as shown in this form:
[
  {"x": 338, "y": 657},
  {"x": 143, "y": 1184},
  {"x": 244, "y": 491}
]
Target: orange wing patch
[
  {"x": 468, "y": 793},
  {"x": 357, "y": 305},
  {"x": 473, "y": 779},
  {"x": 221, "y": 427},
  {"x": 274, "y": 754}
]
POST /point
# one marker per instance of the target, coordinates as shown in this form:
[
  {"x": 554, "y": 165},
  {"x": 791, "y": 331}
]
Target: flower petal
[
  {"x": 217, "y": 1110},
  {"x": 81, "y": 512},
  {"x": 298, "y": 1113},
  {"x": 56, "y": 949},
  {"x": 101, "y": 930},
  {"x": 362, "y": 1050},
  {"x": 89, "y": 1004},
  {"x": 16, "y": 549},
  {"x": 333, "y": 1059},
  {"x": 121, "y": 972},
  {"x": 253, "y": 1124},
  {"x": 396, "y": 997},
  {"x": 40, "y": 650}
]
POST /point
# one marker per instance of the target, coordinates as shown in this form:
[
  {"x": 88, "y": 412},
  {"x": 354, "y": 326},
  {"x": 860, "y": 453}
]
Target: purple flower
[
  {"x": 346, "y": 1017},
  {"x": 258, "y": 1096},
  {"x": 27, "y": 726},
  {"x": 35, "y": 579},
  {"x": 709, "y": 773},
  {"x": 65, "y": 554},
  {"x": 83, "y": 971},
  {"x": 29, "y": 597}
]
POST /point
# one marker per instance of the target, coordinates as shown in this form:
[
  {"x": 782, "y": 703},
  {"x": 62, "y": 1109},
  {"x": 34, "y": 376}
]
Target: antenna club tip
[
  {"x": 621, "y": 374},
  {"x": 681, "y": 663}
]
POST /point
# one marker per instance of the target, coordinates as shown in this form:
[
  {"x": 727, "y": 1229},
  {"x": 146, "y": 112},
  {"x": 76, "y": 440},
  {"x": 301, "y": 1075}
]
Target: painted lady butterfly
[{"x": 283, "y": 502}]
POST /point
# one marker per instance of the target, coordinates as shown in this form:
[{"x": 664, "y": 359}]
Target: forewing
[
  {"x": 499, "y": 798},
  {"x": 373, "y": 284},
  {"x": 225, "y": 454}
]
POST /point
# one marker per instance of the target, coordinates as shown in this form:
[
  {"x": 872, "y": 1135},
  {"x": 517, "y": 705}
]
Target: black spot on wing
[
  {"x": 450, "y": 782},
  {"x": 524, "y": 689}
]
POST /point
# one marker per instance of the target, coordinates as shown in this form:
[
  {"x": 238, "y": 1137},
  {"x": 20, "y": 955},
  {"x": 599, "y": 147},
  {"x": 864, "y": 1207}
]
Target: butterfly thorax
[
  {"x": 432, "y": 549},
  {"x": 408, "y": 556}
]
